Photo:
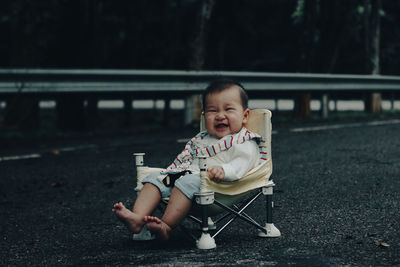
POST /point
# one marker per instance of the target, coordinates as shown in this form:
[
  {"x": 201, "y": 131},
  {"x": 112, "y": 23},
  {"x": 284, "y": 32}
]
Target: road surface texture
[{"x": 337, "y": 200}]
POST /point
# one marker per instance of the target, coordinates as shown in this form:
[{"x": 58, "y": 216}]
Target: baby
[{"x": 231, "y": 151}]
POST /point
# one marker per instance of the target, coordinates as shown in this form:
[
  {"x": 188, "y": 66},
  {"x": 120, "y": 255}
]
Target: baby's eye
[{"x": 211, "y": 110}]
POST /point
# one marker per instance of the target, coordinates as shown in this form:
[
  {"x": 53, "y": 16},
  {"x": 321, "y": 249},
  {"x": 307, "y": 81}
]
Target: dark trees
[
  {"x": 341, "y": 36},
  {"x": 276, "y": 36}
]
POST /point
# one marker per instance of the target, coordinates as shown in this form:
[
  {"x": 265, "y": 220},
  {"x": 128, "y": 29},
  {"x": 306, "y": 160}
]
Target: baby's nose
[{"x": 220, "y": 115}]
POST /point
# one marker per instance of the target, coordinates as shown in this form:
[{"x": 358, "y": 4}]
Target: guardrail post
[
  {"x": 167, "y": 111},
  {"x": 373, "y": 102},
  {"x": 324, "y": 106},
  {"x": 192, "y": 109},
  {"x": 302, "y": 107},
  {"x": 70, "y": 112},
  {"x": 22, "y": 112},
  {"x": 391, "y": 101},
  {"x": 127, "y": 110},
  {"x": 92, "y": 111}
]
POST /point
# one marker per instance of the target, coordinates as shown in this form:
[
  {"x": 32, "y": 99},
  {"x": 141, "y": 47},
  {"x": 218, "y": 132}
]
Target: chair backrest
[{"x": 259, "y": 122}]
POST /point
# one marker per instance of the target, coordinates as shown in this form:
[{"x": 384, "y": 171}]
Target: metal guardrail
[
  {"x": 147, "y": 83},
  {"x": 94, "y": 85}
]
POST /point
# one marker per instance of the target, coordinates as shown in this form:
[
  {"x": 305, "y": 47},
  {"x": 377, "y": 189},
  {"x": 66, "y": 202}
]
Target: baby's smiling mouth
[{"x": 221, "y": 126}]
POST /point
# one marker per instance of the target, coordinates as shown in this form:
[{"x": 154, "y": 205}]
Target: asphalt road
[{"x": 336, "y": 202}]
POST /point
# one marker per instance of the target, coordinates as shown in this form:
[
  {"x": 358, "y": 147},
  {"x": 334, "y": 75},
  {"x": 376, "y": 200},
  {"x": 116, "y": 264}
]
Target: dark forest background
[
  {"x": 310, "y": 36},
  {"x": 320, "y": 36}
]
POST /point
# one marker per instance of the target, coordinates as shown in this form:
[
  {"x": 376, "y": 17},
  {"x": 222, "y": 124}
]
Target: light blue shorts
[{"x": 188, "y": 184}]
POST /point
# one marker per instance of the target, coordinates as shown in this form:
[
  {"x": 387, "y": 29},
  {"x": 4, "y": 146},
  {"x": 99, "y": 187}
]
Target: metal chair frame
[{"x": 205, "y": 199}]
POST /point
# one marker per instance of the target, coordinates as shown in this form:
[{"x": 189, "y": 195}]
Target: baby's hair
[{"x": 220, "y": 85}]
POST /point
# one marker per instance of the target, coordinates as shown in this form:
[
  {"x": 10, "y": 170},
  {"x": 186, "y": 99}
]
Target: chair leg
[
  {"x": 205, "y": 199},
  {"x": 206, "y": 241},
  {"x": 139, "y": 160},
  {"x": 270, "y": 229}
]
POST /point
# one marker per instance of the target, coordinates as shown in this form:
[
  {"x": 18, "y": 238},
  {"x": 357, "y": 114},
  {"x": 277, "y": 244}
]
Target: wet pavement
[{"x": 336, "y": 202}]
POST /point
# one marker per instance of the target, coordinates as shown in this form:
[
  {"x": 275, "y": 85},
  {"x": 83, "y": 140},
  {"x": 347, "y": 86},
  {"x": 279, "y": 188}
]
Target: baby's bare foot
[
  {"x": 158, "y": 227},
  {"x": 133, "y": 221}
]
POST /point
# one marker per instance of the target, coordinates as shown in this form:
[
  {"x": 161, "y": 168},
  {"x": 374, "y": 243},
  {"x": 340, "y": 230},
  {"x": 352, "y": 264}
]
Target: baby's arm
[{"x": 244, "y": 157}]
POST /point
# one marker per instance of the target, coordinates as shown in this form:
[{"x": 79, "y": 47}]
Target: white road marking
[
  {"x": 37, "y": 155},
  {"x": 346, "y": 125},
  {"x": 74, "y": 148},
  {"x": 327, "y": 127},
  {"x": 28, "y": 156}
]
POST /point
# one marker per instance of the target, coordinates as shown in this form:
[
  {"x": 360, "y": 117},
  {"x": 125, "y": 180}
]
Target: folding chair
[{"x": 229, "y": 198}]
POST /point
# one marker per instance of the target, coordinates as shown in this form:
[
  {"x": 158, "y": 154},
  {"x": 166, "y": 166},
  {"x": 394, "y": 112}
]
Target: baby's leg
[
  {"x": 178, "y": 206},
  {"x": 146, "y": 202}
]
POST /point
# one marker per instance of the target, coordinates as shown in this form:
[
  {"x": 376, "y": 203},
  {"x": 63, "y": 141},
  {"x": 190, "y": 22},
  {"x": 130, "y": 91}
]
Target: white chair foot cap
[
  {"x": 206, "y": 242},
  {"x": 272, "y": 231},
  {"x": 144, "y": 235},
  {"x": 211, "y": 224}
]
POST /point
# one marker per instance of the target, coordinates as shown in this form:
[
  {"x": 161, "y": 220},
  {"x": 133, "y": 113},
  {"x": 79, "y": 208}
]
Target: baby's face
[{"x": 224, "y": 113}]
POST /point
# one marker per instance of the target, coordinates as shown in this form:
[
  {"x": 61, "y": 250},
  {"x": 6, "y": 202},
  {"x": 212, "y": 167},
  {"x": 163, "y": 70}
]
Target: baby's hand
[{"x": 216, "y": 173}]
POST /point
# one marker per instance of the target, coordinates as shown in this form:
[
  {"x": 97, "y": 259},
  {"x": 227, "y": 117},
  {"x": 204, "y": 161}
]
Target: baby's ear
[{"x": 246, "y": 115}]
